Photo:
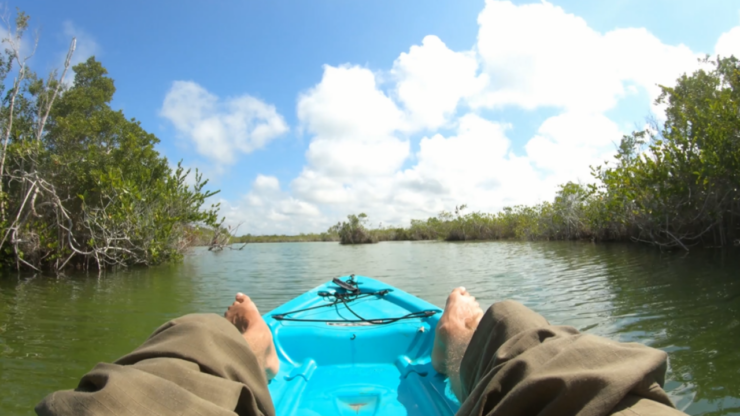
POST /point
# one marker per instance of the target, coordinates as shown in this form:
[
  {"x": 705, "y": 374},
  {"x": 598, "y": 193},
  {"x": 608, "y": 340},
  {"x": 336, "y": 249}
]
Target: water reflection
[
  {"x": 689, "y": 307},
  {"x": 53, "y": 330}
]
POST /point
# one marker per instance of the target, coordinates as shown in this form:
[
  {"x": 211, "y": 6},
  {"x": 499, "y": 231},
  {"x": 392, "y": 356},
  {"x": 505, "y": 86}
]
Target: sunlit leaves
[{"x": 125, "y": 204}]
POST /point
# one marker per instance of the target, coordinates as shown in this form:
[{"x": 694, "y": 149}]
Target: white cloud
[
  {"x": 641, "y": 58},
  {"x": 221, "y": 129},
  {"x": 567, "y": 144},
  {"x": 266, "y": 209},
  {"x": 729, "y": 43},
  {"x": 466, "y": 159},
  {"x": 538, "y": 55},
  {"x": 528, "y": 57},
  {"x": 432, "y": 79},
  {"x": 475, "y": 166},
  {"x": 353, "y": 125},
  {"x": 347, "y": 102}
]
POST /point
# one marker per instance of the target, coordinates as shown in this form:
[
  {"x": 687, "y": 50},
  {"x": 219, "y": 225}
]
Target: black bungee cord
[{"x": 352, "y": 293}]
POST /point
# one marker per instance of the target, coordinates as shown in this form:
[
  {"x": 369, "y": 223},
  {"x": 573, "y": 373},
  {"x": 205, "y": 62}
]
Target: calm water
[{"x": 52, "y": 330}]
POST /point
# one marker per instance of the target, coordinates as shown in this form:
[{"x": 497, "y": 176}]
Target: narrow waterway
[{"x": 52, "y": 330}]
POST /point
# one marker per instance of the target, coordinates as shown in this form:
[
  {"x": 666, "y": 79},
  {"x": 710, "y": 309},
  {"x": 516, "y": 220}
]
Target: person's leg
[
  {"x": 452, "y": 335},
  {"x": 516, "y": 363},
  {"x": 246, "y": 318},
  {"x": 196, "y": 364}
]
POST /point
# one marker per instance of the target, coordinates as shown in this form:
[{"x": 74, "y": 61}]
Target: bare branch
[{"x": 67, "y": 61}]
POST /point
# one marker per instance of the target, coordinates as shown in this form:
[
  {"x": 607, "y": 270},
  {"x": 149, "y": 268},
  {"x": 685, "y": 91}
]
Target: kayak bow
[{"x": 357, "y": 346}]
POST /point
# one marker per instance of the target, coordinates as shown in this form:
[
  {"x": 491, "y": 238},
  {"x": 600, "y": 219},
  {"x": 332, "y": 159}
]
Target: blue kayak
[{"x": 357, "y": 346}]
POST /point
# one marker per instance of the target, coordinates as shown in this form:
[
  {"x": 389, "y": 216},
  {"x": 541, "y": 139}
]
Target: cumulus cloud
[
  {"x": 529, "y": 57},
  {"x": 266, "y": 209},
  {"x": 221, "y": 129},
  {"x": 538, "y": 55},
  {"x": 353, "y": 124},
  {"x": 347, "y": 101},
  {"x": 566, "y": 145},
  {"x": 729, "y": 43},
  {"x": 474, "y": 166},
  {"x": 431, "y": 80}
]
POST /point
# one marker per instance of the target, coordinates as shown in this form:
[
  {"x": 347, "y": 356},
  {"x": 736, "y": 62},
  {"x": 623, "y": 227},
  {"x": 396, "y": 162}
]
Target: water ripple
[{"x": 53, "y": 330}]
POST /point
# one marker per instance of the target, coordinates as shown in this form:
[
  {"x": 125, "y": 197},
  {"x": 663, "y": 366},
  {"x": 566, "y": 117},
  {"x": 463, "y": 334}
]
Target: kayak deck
[{"x": 334, "y": 362}]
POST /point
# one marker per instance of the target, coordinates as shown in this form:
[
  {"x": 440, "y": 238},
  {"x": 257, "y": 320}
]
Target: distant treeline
[
  {"x": 674, "y": 186},
  {"x": 301, "y": 238}
]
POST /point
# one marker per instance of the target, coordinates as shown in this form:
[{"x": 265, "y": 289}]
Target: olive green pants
[{"x": 516, "y": 364}]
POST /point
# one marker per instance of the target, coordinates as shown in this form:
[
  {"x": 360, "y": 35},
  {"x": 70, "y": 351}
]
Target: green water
[{"x": 52, "y": 330}]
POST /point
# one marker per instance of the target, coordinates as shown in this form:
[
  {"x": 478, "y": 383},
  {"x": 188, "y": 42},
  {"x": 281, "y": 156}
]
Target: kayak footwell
[
  {"x": 333, "y": 363},
  {"x": 369, "y": 390}
]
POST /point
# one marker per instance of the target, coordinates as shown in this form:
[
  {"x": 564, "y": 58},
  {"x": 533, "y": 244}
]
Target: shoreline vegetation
[
  {"x": 675, "y": 185},
  {"x": 82, "y": 186}
]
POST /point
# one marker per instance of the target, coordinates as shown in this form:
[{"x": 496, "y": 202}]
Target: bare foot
[
  {"x": 454, "y": 330},
  {"x": 244, "y": 315}
]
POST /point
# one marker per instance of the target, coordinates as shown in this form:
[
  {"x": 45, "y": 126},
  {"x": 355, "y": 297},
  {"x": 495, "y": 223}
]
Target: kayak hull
[{"x": 352, "y": 358}]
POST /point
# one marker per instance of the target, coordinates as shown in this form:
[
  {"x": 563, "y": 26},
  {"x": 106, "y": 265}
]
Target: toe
[
  {"x": 241, "y": 297},
  {"x": 458, "y": 291}
]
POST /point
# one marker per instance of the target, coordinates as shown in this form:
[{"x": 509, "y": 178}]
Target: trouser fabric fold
[
  {"x": 516, "y": 364},
  {"x": 194, "y": 365},
  {"x": 519, "y": 364}
]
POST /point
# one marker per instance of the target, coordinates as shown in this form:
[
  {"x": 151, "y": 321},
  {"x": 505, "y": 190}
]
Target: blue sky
[{"x": 304, "y": 111}]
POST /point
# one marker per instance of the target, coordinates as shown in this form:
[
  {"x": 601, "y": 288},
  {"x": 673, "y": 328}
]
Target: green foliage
[
  {"x": 91, "y": 188},
  {"x": 680, "y": 187},
  {"x": 673, "y": 186},
  {"x": 353, "y": 231}
]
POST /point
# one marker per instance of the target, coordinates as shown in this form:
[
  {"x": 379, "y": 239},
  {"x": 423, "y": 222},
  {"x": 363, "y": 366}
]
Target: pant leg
[
  {"x": 194, "y": 365},
  {"x": 519, "y": 364}
]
